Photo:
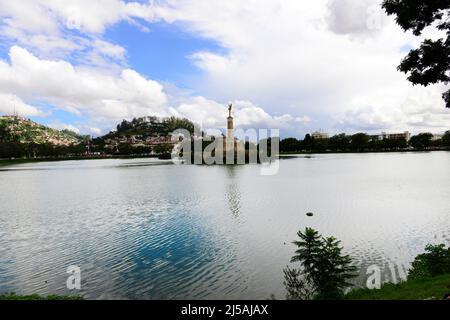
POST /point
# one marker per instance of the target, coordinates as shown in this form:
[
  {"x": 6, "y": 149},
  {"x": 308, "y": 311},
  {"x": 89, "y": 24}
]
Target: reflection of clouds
[
  {"x": 154, "y": 240},
  {"x": 215, "y": 232}
]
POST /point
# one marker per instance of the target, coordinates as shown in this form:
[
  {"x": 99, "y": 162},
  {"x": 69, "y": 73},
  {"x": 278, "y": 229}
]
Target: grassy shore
[
  {"x": 421, "y": 289},
  {"x": 14, "y": 296}
]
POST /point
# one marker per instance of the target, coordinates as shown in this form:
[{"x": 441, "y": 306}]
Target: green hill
[
  {"x": 20, "y": 130},
  {"x": 150, "y": 126}
]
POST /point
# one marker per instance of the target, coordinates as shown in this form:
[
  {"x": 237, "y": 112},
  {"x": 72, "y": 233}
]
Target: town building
[
  {"x": 393, "y": 136},
  {"x": 318, "y": 135}
]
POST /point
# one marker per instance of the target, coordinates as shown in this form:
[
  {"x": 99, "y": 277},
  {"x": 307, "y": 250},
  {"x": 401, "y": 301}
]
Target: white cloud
[
  {"x": 211, "y": 114},
  {"x": 349, "y": 17},
  {"x": 79, "y": 129},
  {"x": 64, "y": 126},
  {"x": 107, "y": 98},
  {"x": 59, "y": 29},
  {"x": 330, "y": 59},
  {"x": 110, "y": 49},
  {"x": 95, "y": 131},
  {"x": 81, "y": 90},
  {"x": 50, "y": 16},
  {"x": 10, "y": 104},
  {"x": 296, "y": 65}
]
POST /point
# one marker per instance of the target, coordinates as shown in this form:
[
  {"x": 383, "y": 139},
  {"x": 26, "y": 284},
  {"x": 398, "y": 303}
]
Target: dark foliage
[
  {"x": 446, "y": 139},
  {"x": 361, "y": 142},
  {"x": 324, "y": 272},
  {"x": 33, "y": 150},
  {"x": 421, "y": 141},
  {"x": 430, "y": 63},
  {"x": 152, "y": 126},
  {"x": 434, "y": 262}
]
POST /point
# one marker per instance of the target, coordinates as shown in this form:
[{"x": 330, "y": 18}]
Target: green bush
[
  {"x": 434, "y": 262},
  {"x": 324, "y": 272}
]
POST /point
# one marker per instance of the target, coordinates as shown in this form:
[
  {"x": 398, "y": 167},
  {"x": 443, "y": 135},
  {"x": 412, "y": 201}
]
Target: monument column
[{"x": 230, "y": 130}]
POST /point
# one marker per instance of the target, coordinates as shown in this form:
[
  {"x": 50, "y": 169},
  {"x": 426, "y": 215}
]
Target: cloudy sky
[{"x": 296, "y": 65}]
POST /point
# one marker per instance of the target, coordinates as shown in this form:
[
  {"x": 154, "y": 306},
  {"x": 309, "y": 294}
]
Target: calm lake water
[{"x": 143, "y": 229}]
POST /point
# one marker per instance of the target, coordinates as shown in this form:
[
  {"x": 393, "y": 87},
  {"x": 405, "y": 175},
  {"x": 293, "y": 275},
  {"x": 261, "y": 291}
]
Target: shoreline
[
  {"x": 5, "y": 162},
  {"x": 362, "y": 151}
]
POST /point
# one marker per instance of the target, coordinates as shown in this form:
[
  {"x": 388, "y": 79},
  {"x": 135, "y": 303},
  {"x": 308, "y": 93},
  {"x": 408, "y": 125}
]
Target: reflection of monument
[
  {"x": 230, "y": 130},
  {"x": 233, "y": 194}
]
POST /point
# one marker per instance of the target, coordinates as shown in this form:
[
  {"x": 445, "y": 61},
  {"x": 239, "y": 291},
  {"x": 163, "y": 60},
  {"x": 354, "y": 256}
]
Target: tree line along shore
[{"x": 150, "y": 136}]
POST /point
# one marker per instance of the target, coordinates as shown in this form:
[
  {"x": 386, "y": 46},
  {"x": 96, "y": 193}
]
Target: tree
[
  {"x": 124, "y": 125},
  {"x": 434, "y": 262},
  {"x": 290, "y": 145},
  {"x": 3, "y": 132},
  {"x": 325, "y": 270},
  {"x": 11, "y": 150},
  {"x": 308, "y": 142},
  {"x": 163, "y": 149},
  {"x": 421, "y": 141},
  {"x": 446, "y": 139},
  {"x": 126, "y": 149},
  {"x": 359, "y": 141},
  {"x": 400, "y": 143},
  {"x": 171, "y": 124},
  {"x": 340, "y": 142},
  {"x": 430, "y": 63}
]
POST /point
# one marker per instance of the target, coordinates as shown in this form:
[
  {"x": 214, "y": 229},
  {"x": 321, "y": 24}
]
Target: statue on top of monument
[{"x": 230, "y": 106}]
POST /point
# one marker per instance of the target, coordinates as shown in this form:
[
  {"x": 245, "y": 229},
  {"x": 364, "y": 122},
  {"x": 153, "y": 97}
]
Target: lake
[{"x": 146, "y": 229}]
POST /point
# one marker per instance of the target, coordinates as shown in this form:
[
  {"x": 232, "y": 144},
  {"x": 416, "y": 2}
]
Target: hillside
[
  {"x": 17, "y": 129},
  {"x": 150, "y": 126}
]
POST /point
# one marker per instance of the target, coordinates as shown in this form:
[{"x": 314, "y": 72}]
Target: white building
[
  {"x": 394, "y": 136},
  {"x": 317, "y": 135}
]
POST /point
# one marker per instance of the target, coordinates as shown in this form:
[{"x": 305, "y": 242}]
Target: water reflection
[
  {"x": 148, "y": 231},
  {"x": 233, "y": 194}
]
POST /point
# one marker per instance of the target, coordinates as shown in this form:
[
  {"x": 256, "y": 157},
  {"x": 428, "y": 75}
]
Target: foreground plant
[{"x": 325, "y": 272}]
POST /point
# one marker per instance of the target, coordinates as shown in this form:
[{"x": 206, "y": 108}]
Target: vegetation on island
[
  {"x": 430, "y": 63},
  {"x": 326, "y": 273},
  {"x": 151, "y": 126}
]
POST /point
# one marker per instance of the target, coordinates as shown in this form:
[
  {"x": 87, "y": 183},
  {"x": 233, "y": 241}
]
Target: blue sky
[
  {"x": 296, "y": 66},
  {"x": 163, "y": 52}
]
